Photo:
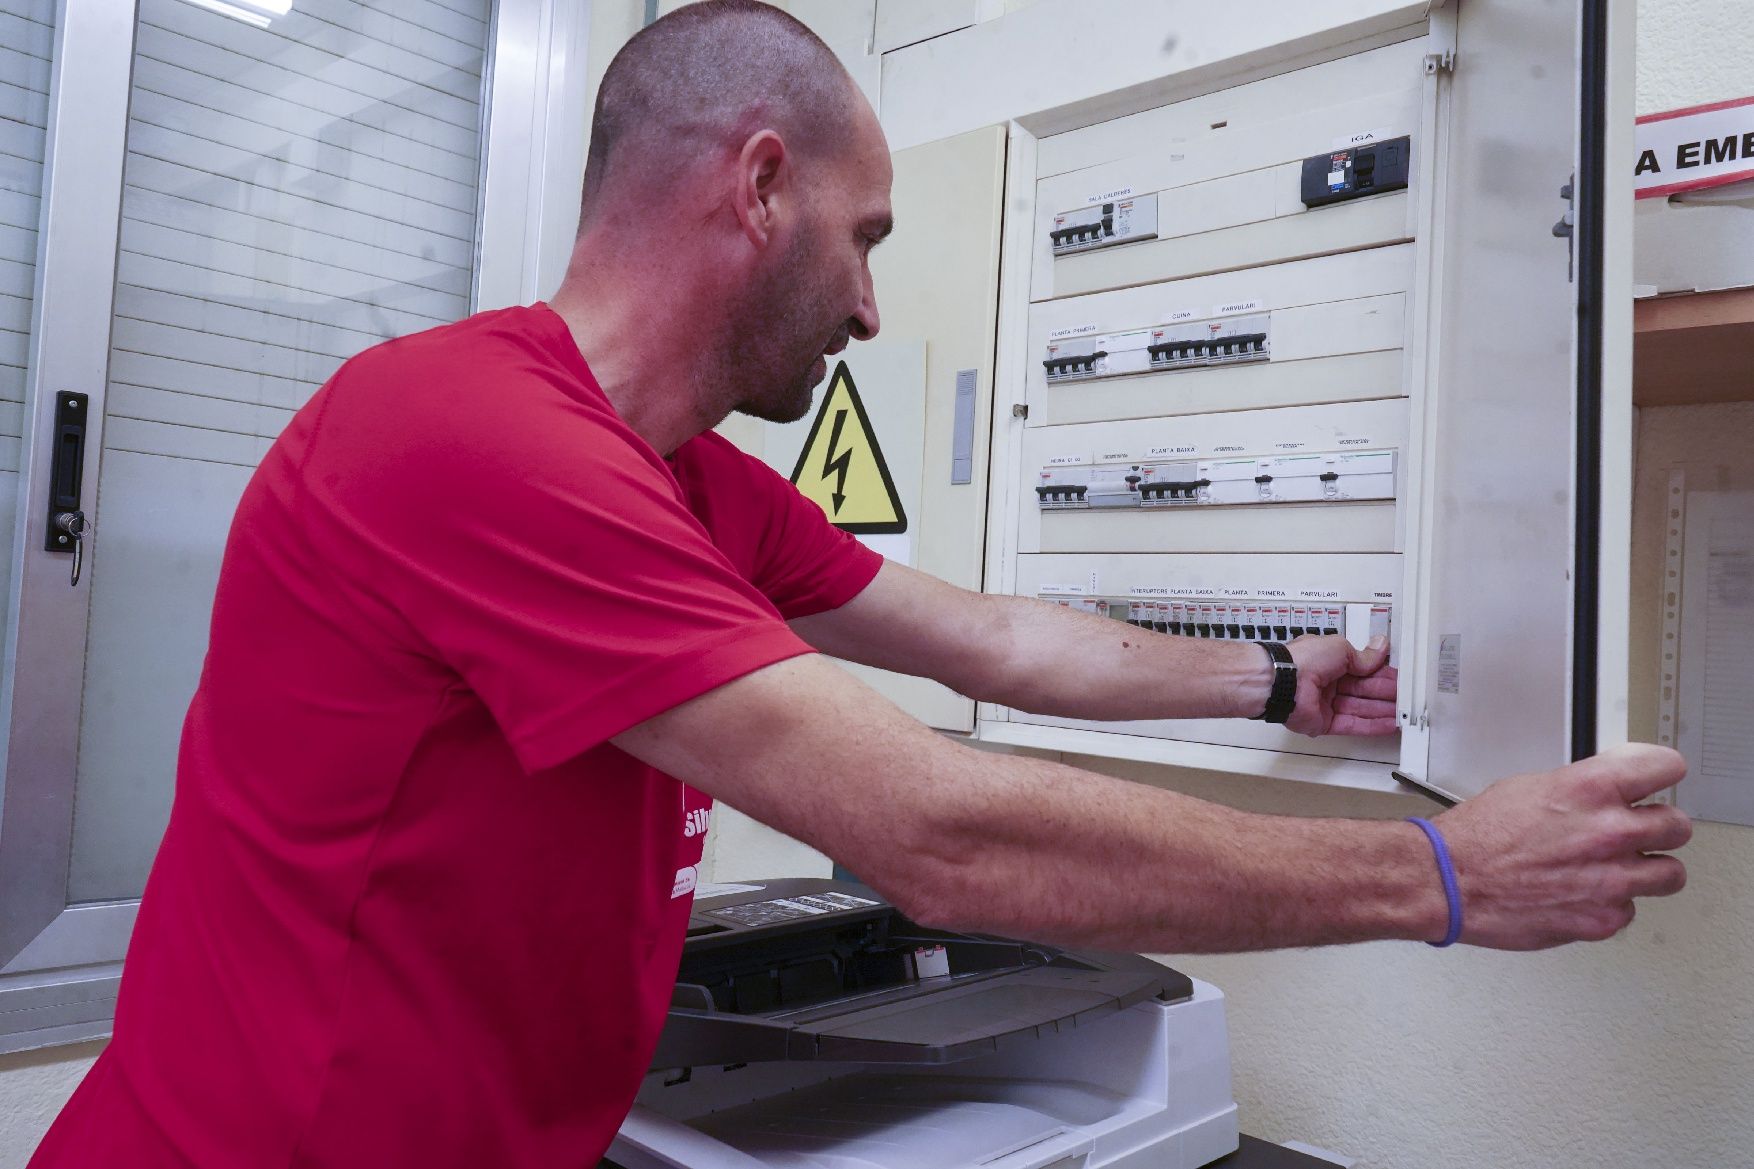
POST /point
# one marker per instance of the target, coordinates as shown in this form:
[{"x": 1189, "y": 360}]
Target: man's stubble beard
[{"x": 764, "y": 369}]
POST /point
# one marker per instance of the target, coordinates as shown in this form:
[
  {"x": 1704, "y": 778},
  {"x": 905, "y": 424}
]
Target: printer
[{"x": 814, "y": 1026}]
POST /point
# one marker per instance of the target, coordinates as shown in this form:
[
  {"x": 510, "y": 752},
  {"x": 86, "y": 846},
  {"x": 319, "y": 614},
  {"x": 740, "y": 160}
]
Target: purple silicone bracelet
[{"x": 1447, "y": 870}]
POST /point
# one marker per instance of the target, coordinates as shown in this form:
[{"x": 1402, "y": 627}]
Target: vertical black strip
[{"x": 1589, "y": 239}]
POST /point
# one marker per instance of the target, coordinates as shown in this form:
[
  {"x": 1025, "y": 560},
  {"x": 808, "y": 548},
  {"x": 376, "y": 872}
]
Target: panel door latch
[
  {"x": 67, "y": 526},
  {"x": 1566, "y": 228}
]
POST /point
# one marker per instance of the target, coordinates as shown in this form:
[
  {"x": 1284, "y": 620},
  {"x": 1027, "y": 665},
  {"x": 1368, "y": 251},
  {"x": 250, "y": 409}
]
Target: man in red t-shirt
[{"x": 499, "y": 617}]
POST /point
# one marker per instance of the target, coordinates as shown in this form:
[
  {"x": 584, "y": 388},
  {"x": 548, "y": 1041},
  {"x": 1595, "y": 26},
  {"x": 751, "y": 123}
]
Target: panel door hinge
[
  {"x": 1020, "y": 410},
  {"x": 1444, "y": 62}
]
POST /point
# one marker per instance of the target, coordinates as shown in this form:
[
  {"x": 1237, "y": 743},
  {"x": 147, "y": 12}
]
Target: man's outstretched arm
[
  {"x": 1050, "y": 660},
  {"x": 967, "y": 839}
]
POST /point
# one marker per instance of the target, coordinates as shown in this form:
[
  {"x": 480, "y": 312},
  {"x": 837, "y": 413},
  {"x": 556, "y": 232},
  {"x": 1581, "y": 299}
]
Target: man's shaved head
[
  {"x": 699, "y": 81},
  {"x": 736, "y": 183}
]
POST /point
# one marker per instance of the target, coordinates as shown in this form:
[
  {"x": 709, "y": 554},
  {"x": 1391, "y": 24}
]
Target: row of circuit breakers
[
  {"x": 1107, "y": 481},
  {"x": 1255, "y": 619},
  {"x": 1328, "y": 178}
]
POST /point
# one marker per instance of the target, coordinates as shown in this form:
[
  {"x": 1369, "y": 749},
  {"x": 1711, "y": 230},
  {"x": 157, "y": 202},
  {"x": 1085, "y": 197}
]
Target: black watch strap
[{"x": 1282, "y": 698}]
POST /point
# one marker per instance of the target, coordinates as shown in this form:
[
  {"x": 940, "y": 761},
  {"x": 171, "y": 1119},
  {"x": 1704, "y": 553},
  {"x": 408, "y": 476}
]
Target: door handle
[{"x": 67, "y": 526}]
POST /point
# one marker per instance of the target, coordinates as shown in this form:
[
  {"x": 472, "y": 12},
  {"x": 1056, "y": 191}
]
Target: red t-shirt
[{"x": 413, "y": 908}]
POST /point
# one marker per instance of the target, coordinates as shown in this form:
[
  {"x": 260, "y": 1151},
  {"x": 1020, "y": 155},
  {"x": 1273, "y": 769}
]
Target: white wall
[{"x": 1691, "y": 52}]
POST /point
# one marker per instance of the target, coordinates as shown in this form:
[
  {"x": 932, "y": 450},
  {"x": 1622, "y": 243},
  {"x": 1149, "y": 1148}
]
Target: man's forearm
[
  {"x": 1019, "y": 846},
  {"x": 1053, "y": 853},
  {"x": 1049, "y": 660}
]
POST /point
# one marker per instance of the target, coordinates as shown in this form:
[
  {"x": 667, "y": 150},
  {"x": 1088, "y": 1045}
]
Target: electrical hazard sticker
[{"x": 841, "y": 468}]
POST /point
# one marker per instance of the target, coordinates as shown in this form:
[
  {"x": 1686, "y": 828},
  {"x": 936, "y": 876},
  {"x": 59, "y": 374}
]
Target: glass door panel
[
  {"x": 296, "y": 188},
  {"x": 27, "y": 39}
]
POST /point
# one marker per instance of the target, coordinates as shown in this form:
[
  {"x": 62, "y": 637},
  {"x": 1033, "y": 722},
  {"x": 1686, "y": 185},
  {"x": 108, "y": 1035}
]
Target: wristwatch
[{"x": 1282, "y": 698}]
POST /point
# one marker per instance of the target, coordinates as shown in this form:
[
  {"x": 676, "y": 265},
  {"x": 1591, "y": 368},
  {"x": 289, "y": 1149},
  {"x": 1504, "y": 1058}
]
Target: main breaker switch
[
  {"x": 1101, "y": 225},
  {"x": 1356, "y": 172}
]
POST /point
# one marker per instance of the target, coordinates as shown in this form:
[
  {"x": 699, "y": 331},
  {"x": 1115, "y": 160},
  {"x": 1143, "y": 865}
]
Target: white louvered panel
[
  {"x": 382, "y": 320},
  {"x": 21, "y": 34},
  {"x": 21, "y": 141},
  {"x": 215, "y": 48},
  {"x": 19, "y": 245},
  {"x": 9, "y": 452},
  {"x": 183, "y": 442},
  {"x": 270, "y": 275},
  {"x": 36, "y": 11},
  {"x": 14, "y": 313},
  {"x": 215, "y": 350},
  {"x": 16, "y": 277},
  {"x": 298, "y": 150},
  {"x": 427, "y": 29},
  {"x": 163, "y": 216},
  {"x": 208, "y": 316},
  {"x": 21, "y": 68},
  {"x": 175, "y": 213},
  {"x": 20, "y": 174},
  {"x": 292, "y": 196},
  {"x": 179, "y": 164},
  {"x": 363, "y": 134},
  {"x": 460, "y": 20},
  {"x": 11, "y": 419},
  {"x": 318, "y": 48},
  {"x": 26, "y": 105},
  {"x": 147, "y": 404},
  {"x": 13, "y": 346},
  {"x": 19, "y": 208},
  {"x": 187, "y": 377},
  {"x": 209, "y": 61}
]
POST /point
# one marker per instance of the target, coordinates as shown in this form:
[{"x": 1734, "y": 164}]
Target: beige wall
[{"x": 33, "y": 1086}]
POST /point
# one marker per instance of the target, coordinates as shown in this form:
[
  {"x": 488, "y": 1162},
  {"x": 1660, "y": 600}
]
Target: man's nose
[{"x": 864, "y": 322}]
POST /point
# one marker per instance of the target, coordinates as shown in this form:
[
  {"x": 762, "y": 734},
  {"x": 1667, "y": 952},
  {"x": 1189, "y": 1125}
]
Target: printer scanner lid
[{"x": 806, "y": 969}]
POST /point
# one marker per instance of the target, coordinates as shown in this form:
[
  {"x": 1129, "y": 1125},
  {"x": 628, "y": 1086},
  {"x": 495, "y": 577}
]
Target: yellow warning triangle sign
[{"x": 841, "y": 467}]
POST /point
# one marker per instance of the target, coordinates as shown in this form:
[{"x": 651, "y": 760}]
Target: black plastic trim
[{"x": 1590, "y": 241}]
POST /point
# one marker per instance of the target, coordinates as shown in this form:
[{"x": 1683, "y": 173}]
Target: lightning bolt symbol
[{"x": 837, "y": 465}]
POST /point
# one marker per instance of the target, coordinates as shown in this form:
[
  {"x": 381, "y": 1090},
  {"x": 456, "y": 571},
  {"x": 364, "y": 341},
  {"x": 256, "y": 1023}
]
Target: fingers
[
  {"x": 1371, "y": 658},
  {"x": 1352, "y": 724},
  {"x": 1383, "y": 684},
  {"x": 1364, "y": 707},
  {"x": 1636, "y": 771},
  {"x": 1656, "y": 876},
  {"x": 1662, "y": 828}
]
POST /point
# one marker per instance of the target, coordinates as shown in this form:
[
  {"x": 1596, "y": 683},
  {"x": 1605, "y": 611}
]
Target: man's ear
[{"x": 763, "y": 182}]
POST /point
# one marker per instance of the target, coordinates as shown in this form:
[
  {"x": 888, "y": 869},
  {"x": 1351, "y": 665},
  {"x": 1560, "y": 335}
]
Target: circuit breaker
[
  {"x": 1356, "y": 172},
  {"x": 1112, "y": 218}
]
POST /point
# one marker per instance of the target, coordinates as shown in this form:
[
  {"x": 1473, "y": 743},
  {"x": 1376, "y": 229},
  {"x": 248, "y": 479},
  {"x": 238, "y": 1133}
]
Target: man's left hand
[{"x": 1343, "y": 690}]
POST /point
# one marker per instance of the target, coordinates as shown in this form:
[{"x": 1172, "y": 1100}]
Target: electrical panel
[
  {"x": 1338, "y": 235},
  {"x": 1217, "y": 430}
]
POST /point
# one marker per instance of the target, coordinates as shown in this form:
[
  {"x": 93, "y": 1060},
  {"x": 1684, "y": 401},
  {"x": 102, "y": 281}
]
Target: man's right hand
[{"x": 1561, "y": 856}]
